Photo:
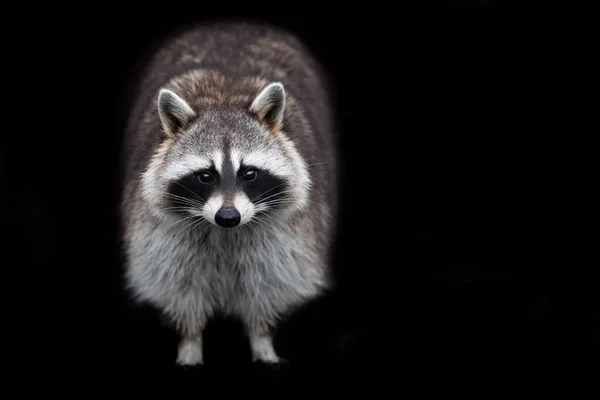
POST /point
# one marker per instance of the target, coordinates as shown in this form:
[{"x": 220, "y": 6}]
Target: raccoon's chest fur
[{"x": 241, "y": 273}]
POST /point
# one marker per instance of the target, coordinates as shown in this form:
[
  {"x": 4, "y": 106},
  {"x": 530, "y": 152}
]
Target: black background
[{"x": 444, "y": 271}]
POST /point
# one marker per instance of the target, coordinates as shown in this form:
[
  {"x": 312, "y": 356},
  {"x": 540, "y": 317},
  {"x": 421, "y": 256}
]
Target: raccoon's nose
[{"x": 227, "y": 217}]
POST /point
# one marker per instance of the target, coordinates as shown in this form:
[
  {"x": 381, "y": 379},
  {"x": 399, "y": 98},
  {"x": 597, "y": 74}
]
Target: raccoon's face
[{"x": 226, "y": 166}]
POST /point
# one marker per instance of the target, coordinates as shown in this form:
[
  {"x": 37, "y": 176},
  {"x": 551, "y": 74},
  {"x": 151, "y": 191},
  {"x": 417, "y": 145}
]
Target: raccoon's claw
[
  {"x": 270, "y": 360},
  {"x": 280, "y": 365},
  {"x": 188, "y": 368}
]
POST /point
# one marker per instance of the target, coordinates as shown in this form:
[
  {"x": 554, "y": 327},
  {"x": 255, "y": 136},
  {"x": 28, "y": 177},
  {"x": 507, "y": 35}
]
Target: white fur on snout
[
  {"x": 217, "y": 157},
  {"x": 235, "y": 156},
  {"x": 244, "y": 206},
  {"x": 211, "y": 207}
]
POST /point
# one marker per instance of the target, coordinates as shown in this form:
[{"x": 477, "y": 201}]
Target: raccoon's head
[{"x": 226, "y": 163}]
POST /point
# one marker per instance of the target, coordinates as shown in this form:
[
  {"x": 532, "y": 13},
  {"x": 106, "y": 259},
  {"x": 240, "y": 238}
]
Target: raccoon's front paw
[
  {"x": 189, "y": 353},
  {"x": 263, "y": 350},
  {"x": 269, "y": 360}
]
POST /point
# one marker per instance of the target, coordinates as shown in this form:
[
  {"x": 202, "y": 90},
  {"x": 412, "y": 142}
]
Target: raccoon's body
[{"x": 229, "y": 199}]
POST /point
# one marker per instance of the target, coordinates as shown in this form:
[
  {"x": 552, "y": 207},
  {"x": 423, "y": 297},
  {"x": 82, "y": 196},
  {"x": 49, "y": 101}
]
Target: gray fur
[{"x": 233, "y": 76}]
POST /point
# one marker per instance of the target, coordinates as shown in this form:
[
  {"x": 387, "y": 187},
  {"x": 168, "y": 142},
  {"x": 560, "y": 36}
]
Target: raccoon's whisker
[
  {"x": 269, "y": 207},
  {"x": 250, "y": 225},
  {"x": 259, "y": 200},
  {"x": 276, "y": 201},
  {"x": 185, "y": 199},
  {"x": 187, "y": 204},
  {"x": 263, "y": 221},
  {"x": 262, "y": 194},
  {"x": 267, "y": 191},
  {"x": 189, "y": 190},
  {"x": 271, "y": 218},
  {"x": 196, "y": 224},
  {"x": 181, "y": 220},
  {"x": 187, "y": 211},
  {"x": 188, "y": 227},
  {"x": 319, "y": 163},
  {"x": 274, "y": 204},
  {"x": 182, "y": 208},
  {"x": 274, "y": 187},
  {"x": 282, "y": 202}
]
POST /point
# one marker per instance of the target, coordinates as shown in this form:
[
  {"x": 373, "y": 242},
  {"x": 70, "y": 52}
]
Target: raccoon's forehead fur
[{"x": 224, "y": 132}]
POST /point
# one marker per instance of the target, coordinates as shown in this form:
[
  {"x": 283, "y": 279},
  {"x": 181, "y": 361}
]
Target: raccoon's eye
[
  {"x": 205, "y": 177},
  {"x": 250, "y": 175}
]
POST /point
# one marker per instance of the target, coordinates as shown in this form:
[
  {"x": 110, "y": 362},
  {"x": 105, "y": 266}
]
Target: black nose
[{"x": 227, "y": 217}]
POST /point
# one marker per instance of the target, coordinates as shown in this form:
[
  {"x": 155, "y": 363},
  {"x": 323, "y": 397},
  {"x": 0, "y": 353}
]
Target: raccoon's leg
[
  {"x": 190, "y": 350},
  {"x": 260, "y": 334}
]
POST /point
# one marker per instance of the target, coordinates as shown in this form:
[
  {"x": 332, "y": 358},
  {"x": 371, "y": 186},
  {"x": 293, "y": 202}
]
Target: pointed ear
[
  {"x": 269, "y": 105},
  {"x": 174, "y": 112}
]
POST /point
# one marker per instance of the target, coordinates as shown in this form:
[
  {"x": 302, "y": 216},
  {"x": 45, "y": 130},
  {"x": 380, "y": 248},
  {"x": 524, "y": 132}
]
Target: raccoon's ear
[
  {"x": 269, "y": 105},
  {"x": 174, "y": 112}
]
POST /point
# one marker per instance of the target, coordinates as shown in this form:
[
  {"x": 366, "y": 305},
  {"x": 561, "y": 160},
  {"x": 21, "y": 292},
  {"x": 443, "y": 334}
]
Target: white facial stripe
[
  {"x": 187, "y": 164},
  {"x": 235, "y": 160},
  {"x": 244, "y": 206},
  {"x": 218, "y": 159},
  {"x": 214, "y": 203},
  {"x": 275, "y": 164}
]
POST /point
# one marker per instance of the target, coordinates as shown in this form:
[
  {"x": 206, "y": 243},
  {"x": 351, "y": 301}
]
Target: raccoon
[{"x": 229, "y": 197}]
